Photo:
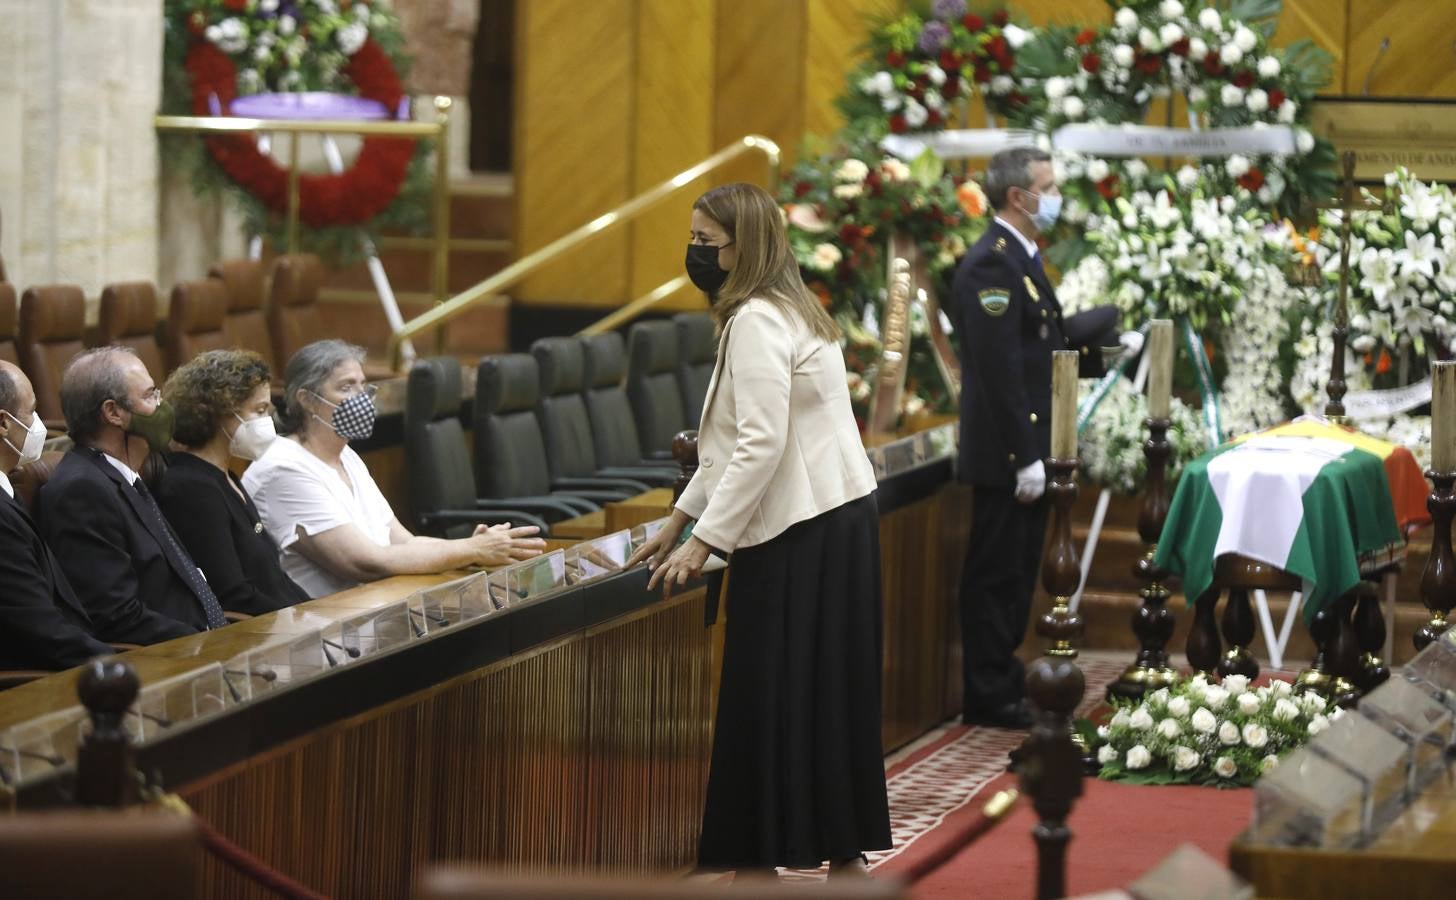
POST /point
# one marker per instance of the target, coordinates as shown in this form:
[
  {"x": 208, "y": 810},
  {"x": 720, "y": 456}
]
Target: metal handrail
[
  {"x": 623, "y": 314},
  {"x": 534, "y": 261}
]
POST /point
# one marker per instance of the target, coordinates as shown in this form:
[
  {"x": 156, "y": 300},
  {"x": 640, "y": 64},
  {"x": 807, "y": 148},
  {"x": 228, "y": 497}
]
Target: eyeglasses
[{"x": 349, "y": 390}]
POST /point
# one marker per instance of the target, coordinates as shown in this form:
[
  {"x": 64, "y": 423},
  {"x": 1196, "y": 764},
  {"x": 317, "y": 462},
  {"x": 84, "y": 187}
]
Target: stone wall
[{"x": 79, "y": 83}]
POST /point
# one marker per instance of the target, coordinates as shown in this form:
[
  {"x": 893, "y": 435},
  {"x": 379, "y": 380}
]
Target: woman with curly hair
[{"x": 223, "y": 411}]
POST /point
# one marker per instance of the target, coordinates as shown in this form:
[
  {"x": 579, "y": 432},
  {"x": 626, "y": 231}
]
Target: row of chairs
[
  {"x": 558, "y": 431},
  {"x": 46, "y": 327}
]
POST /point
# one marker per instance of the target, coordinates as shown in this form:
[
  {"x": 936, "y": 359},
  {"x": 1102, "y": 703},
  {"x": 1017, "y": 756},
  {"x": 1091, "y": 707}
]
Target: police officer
[{"x": 1010, "y": 323}]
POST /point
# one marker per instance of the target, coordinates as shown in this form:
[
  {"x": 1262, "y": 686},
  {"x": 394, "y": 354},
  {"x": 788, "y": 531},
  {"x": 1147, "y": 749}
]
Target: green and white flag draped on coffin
[{"x": 1311, "y": 506}]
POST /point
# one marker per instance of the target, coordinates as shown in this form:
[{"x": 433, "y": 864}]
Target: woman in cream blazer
[{"x": 783, "y": 486}]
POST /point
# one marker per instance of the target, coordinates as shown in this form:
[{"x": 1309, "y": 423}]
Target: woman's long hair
[{"x": 766, "y": 267}]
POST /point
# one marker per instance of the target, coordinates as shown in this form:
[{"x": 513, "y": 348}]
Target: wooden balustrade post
[
  {"x": 685, "y": 451},
  {"x": 1344, "y": 654},
  {"x": 1238, "y": 631},
  {"x": 1051, "y": 768},
  {"x": 1370, "y": 633},
  {"x": 1322, "y": 629},
  {"x": 1438, "y": 582},
  {"x": 105, "y": 766},
  {"x": 1153, "y": 621},
  {"x": 1204, "y": 646}
]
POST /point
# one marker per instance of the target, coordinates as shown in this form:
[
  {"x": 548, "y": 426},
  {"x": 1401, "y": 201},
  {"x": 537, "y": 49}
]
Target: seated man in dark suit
[
  {"x": 42, "y": 624},
  {"x": 136, "y": 581}
]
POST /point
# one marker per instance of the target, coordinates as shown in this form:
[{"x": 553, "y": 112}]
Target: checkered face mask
[{"x": 353, "y": 420}]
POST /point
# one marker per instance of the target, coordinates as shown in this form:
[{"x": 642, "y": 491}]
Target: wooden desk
[
  {"x": 582, "y": 528},
  {"x": 653, "y": 504}
]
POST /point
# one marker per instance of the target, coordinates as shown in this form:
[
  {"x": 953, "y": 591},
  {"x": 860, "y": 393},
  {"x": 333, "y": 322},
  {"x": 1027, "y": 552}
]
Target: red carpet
[{"x": 1118, "y": 832}]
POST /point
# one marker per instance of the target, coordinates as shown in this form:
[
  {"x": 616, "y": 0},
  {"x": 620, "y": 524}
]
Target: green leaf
[
  {"x": 1255, "y": 11},
  {"x": 927, "y": 169}
]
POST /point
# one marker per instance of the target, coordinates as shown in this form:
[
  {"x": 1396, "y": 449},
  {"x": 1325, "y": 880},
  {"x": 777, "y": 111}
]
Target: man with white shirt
[
  {"x": 1010, "y": 322},
  {"x": 131, "y": 573},
  {"x": 42, "y": 624}
]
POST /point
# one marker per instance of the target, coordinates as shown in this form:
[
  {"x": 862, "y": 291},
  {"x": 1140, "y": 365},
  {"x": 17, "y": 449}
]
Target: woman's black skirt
[{"x": 798, "y": 772}]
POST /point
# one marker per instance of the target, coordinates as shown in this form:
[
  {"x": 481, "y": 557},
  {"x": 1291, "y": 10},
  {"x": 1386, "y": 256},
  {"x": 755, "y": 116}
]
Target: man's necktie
[{"x": 180, "y": 560}]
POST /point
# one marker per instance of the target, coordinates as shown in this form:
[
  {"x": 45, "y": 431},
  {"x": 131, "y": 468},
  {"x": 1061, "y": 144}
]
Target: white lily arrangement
[
  {"x": 1111, "y": 447},
  {"x": 1222, "y": 734}
]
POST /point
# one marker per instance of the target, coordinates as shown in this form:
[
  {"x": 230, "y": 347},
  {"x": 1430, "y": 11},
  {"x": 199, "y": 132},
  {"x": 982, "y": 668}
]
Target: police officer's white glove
[
  {"x": 1031, "y": 482},
  {"x": 1132, "y": 343}
]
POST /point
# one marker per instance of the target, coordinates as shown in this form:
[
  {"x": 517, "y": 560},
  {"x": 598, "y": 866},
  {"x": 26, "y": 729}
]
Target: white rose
[
  {"x": 1126, "y": 19},
  {"x": 1285, "y": 710},
  {"x": 1015, "y": 36},
  {"x": 936, "y": 75},
  {"x": 1149, "y": 40},
  {"x": 1179, "y": 706},
  {"x": 1197, "y": 95},
  {"x": 1230, "y": 55},
  {"x": 915, "y": 114},
  {"x": 1119, "y": 719},
  {"x": 826, "y": 257},
  {"x": 286, "y": 25},
  {"x": 213, "y": 34},
  {"x": 1337, "y": 713},
  {"x": 1303, "y": 140},
  {"x": 1288, "y": 112},
  {"x": 1228, "y": 733},
  {"x": 1258, "y": 101},
  {"x": 1248, "y": 703},
  {"x": 878, "y": 84},
  {"x": 1185, "y": 759},
  {"x": 1268, "y": 763},
  {"x": 1281, "y": 688},
  {"x": 1098, "y": 169},
  {"x": 1002, "y": 85},
  {"x": 1224, "y": 767},
  {"x": 1236, "y": 684},
  {"x": 1215, "y": 697},
  {"x": 1236, "y": 166},
  {"x": 1141, "y": 720},
  {"x": 1197, "y": 49},
  {"x": 351, "y": 37},
  {"x": 1232, "y": 95},
  {"x": 1056, "y": 87},
  {"x": 1317, "y": 724},
  {"x": 1245, "y": 39},
  {"x": 1188, "y": 179},
  {"x": 1312, "y": 702},
  {"x": 851, "y": 170},
  {"x": 1254, "y": 735},
  {"x": 1122, "y": 53},
  {"x": 1170, "y": 34},
  {"x": 1269, "y": 67},
  {"x": 1104, "y": 732},
  {"x": 1204, "y": 722},
  {"x": 1073, "y": 107},
  {"x": 1209, "y": 19},
  {"x": 1106, "y": 754},
  {"x": 848, "y": 191},
  {"x": 1170, "y": 9},
  {"x": 1135, "y": 169},
  {"x": 1169, "y": 728},
  {"x": 1138, "y": 757}
]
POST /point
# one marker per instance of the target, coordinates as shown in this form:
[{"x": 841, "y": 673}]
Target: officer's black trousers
[{"x": 1001, "y": 570}]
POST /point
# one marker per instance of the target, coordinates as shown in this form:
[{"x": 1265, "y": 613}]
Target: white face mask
[
  {"x": 252, "y": 438},
  {"x": 29, "y": 449}
]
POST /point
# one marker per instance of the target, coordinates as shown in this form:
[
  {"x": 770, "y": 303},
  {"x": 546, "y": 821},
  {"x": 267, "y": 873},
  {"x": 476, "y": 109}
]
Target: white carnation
[
  {"x": 1149, "y": 40},
  {"x": 1232, "y": 95},
  {"x": 1204, "y": 722},
  {"x": 1126, "y": 19},
  {"x": 1288, "y": 112},
  {"x": 1073, "y": 107},
  {"x": 1231, "y": 55},
  {"x": 1170, "y": 9},
  {"x": 1197, "y": 49},
  {"x": 1303, "y": 140},
  {"x": 1197, "y": 95},
  {"x": 852, "y": 170},
  {"x": 1210, "y": 19},
  {"x": 1236, "y": 166},
  {"x": 879, "y": 84},
  {"x": 1254, "y": 735},
  {"x": 894, "y": 169},
  {"x": 1269, "y": 67},
  {"x": 1056, "y": 87},
  {"x": 351, "y": 37},
  {"x": 286, "y": 25},
  {"x": 1179, "y": 706},
  {"x": 1258, "y": 100},
  {"x": 1185, "y": 759},
  {"x": 1140, "y": 720},
  {"x": 1015, "y": 36},
  {"x": 1228, "y": 733},
  {"x": 1122, "y": 53},
  {"x": 1224, "y": 767},
  {"x": 826, "y": 256},
  {"x": 1187, "y": 178},
  {"x": 915, "y": 114},
  {"x": 1245, "y": 39},
  {"x": 1106, "y": 754},
  {"x": 936, "y": 75},
  {"x": 1138, "y": 757},
  {"x": 1170, "y": 34},
  {"x": 1097, "y": 169},
  {"x": 1135, "y": 169},
  {"x": 1002, "y": 85}
]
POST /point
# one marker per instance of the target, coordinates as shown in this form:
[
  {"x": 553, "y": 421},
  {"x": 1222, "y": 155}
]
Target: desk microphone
[{"x": 163, "y": 721}]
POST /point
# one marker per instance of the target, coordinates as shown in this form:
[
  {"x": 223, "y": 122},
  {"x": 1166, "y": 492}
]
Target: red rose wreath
[{"x": 352, "y": 197}]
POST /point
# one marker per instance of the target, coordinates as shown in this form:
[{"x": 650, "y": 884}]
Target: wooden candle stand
[
  {"x": 1153, "y": 621},
  {"x": 1438, "y": 582}
]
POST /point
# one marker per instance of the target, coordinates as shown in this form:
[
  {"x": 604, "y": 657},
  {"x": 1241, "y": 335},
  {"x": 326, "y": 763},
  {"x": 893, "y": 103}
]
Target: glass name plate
[
  {"x": 1423, "y": 724},
  {"x": 1434, "y": 669},
  {"x": 1308, "y": 801},
  {"x": 379, "y": 630},
  {"x": 528, "y": 580},
  {"x": 641, "y": 534},
  {"x": 453, "y": 602},
  {"x": 597, "y": 558},
  {"x": 1377, "y": 759},
  {"x": 160, "y": 705},
  {"x": 35, "y": 748}
]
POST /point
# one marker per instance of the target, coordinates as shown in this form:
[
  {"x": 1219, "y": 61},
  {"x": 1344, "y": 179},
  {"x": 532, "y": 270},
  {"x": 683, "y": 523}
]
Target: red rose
[
  {"x": 1179, "y": 47},
  {"x": 1211, "y": 63},
  {"x": 1244, "y": 79},
  {"x": 894, "y": 59},
  {"x": 973, "y": 22},
  {"x": 1092, "y": 62},
  {"x": 1276, "y": 98},
  {"x": 933, "y": 117},
  {"x": 1017, "y": 98},
  {"x": 951, "y": 87},
  {"x": 849, "y": 233},
  {"x": 983, "y": 73},
  {"x": 236, "y": 5},
  {"x": 897, "y": 124},
  {"x": 1148, "y": 63},
  {"x": 1107, "y": 187},
  {"x": 1000, "y": 17},
  {"x": 1251, "y": 180},
  {"x": 802, "y": 188},
  {"x": 1085, "y": 37},
  {"x": 949, "y": 60},
  {"x": 996, "y": 46}
]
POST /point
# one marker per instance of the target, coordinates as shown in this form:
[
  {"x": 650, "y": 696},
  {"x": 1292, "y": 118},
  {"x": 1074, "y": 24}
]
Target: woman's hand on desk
[
  {"x": 501, "y": 545},
  {"x": 655, "y": 551},
  {"x": 685, "y": 562}
]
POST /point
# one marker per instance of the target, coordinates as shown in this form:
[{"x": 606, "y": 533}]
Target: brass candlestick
[
  {"x": 1438, "y": 582},
  {"x": 1153, "y": 621},
  {"x": 1335, "y": 408}
]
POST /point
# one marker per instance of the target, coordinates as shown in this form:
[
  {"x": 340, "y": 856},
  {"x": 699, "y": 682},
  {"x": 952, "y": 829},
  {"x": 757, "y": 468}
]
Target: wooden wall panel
[
  {"x": 1325, "y": 22},
  {"x": 574, "y": 140},
  {"x": 1421, "y": 61},
  {"x": 837, "y": 29},
  {"x": 759, "y": 74},
  {"x": 673, "y": 129}
]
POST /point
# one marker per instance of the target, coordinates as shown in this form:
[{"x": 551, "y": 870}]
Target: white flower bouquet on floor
[{"x": 1221, "y": 734}]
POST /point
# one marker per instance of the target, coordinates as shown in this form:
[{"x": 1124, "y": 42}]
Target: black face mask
[{"x": 703, "y": 270}]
